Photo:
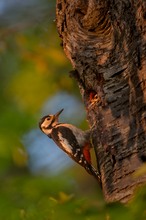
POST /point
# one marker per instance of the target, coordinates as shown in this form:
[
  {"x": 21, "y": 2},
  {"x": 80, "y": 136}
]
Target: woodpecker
[{"x": 72, "y": 140}]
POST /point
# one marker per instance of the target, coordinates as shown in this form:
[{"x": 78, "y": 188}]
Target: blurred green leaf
[
  {"x": 141, "y": 171},
  {"x": 117, "y": 210},
  {"x": 137, "y": 205}
]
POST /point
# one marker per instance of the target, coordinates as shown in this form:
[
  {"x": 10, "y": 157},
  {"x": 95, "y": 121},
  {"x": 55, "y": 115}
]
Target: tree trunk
[{"x": 105, "y": 40}]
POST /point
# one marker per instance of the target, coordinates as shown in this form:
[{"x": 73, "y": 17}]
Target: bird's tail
[{"x": 94, "y": 173}]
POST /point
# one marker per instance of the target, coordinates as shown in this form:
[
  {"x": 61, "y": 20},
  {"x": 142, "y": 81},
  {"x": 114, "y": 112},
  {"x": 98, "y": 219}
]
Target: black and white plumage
[{"x": 72, "y": 140}]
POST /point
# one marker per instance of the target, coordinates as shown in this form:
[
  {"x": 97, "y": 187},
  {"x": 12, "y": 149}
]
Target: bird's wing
[{"x": 67, "y": 141}]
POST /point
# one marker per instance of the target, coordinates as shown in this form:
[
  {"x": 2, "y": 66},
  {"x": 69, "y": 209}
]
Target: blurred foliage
[
  {"x": 33, "y": 67},
  {"x": 29, "y": 198}
]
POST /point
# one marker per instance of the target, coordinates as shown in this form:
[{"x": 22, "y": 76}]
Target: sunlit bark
[{"x": 105, "y": 40}]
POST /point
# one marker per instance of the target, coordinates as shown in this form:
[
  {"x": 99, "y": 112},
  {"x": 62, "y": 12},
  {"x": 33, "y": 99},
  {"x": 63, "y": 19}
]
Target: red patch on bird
[{"x": 86, "y": 153}]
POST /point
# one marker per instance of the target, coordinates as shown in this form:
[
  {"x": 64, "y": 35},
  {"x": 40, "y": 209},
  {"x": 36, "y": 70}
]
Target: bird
[{"x": 72, "y": 140}]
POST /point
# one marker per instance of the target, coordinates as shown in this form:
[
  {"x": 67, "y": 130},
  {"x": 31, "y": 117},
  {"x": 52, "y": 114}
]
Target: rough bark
[{"x": 105, "y": 40}]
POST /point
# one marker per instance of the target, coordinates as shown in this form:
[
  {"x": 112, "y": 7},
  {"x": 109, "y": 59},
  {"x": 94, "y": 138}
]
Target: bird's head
[{"x": 48, "y": 122}]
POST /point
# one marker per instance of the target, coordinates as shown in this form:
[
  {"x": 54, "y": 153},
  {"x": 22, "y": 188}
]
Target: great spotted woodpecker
[{"x": 72, "y": 140}]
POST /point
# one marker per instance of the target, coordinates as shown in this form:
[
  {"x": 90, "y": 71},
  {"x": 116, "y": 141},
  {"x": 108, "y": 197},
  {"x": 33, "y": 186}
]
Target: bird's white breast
[{"x": 66, "y": 146}]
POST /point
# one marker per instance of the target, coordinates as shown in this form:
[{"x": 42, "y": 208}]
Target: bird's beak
[{"x": 58, "y": 113}]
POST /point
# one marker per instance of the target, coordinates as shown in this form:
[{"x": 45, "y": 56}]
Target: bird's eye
[{"x": 48, "y": 118}]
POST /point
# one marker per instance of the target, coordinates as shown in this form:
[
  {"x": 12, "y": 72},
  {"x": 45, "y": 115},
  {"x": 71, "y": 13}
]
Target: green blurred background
[{"x": 37, "y": 180}]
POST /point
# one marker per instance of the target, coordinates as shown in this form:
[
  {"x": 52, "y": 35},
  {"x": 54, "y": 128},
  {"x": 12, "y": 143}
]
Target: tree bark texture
[{"x": 105, "y": 40}]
